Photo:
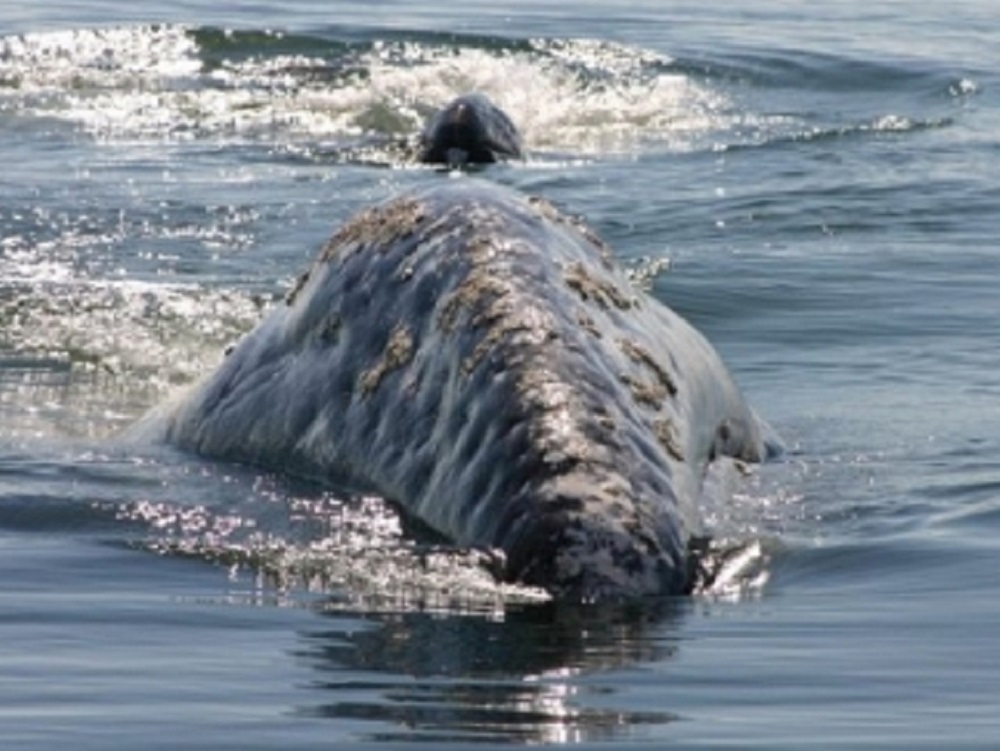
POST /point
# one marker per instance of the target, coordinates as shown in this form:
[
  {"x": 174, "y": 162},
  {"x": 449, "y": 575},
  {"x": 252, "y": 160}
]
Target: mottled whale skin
[
  {"x": 469, "y": 130},
  {"x": 479, "y": 358}
]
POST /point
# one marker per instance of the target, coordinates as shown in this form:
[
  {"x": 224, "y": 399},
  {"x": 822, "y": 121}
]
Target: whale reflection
[{"x": 541, "y": 674}]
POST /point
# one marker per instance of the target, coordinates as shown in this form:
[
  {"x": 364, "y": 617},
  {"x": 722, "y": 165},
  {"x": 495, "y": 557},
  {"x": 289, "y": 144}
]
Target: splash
[
  {"x": 69, "y": 335},
  {"x": 573, "y": 97},
  {"x": 108, "y": 348},
  {"x": 94, "y": 59},
  {"x": 332, "y": 552},
  {"x": 747, "y": 513},
  {"x": 95, "y": 310},
  {"x": 643, "y": 272}
]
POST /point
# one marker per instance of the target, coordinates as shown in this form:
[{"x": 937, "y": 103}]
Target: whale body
[
  {"x": 479, "y": 358},
  {"x": 469, "y": 130}
]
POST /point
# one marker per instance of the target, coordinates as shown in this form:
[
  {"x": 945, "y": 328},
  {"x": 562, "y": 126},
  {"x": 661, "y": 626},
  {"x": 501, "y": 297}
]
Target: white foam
[
  {"x": 353, "y": 553},
  {"x": 576, "y": 98},
  {"x": 112, "y": 58}
]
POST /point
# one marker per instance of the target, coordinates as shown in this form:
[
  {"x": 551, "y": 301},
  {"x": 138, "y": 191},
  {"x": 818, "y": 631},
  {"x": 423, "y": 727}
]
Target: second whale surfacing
[
  {"x": 469, "y": 130},
  {"x": 478, "y": 358}
]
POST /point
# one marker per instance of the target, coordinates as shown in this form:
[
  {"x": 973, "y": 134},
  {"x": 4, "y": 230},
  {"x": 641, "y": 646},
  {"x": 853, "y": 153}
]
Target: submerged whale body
[
  {"x": 478, "y": 357},
  {"x": 469, "y": 130}
]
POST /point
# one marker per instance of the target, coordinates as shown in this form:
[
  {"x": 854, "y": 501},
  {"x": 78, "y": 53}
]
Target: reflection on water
[{"x": 536, "y": 676}]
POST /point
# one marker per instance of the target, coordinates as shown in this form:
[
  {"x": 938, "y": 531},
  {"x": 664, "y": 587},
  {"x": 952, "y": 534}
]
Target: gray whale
[
  {"x": 478, "y": 357},
  {"x": 469, "y": 130}
]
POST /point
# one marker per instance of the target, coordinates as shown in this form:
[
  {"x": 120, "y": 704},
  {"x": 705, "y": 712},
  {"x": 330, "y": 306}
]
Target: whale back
[{"x": 479, "y": 358}]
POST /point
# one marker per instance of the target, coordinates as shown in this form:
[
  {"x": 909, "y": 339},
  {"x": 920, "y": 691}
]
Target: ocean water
[{"x": 814, "y": 186}]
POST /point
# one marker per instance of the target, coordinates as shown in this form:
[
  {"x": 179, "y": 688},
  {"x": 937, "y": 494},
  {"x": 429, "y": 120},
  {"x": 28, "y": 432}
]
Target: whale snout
[
  {"x": 587, "y": 563},
  {"x": 590, "y": 551},
  {"x": 469, "y": 130}
]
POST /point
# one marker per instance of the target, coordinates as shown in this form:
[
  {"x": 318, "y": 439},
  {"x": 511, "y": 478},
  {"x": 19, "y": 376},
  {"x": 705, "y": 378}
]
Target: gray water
[{"x": 814, "y": 186}]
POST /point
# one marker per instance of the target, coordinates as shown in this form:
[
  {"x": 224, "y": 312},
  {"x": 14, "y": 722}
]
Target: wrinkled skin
[
  {"x": 479, "y": 358},
  {"x": 469, "y": 130}
]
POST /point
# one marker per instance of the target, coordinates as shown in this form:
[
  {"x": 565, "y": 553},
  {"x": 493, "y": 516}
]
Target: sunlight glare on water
[
  {"x": 575, "y": 96},
  {"x": 285, "y": 547},
  {"x": 812, "y": 186}
]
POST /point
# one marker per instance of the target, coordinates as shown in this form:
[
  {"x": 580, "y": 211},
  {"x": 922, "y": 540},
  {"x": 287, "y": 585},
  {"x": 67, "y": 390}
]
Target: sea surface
[{"x": 815, "y": 186}]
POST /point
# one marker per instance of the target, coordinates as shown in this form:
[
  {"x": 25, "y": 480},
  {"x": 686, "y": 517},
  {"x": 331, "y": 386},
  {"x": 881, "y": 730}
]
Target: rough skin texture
[{"x": 477, "y": 357}]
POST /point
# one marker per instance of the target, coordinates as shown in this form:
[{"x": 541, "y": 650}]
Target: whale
[
  {"x": 479, "y": 358},
  {"x": 469, "y": 130}
]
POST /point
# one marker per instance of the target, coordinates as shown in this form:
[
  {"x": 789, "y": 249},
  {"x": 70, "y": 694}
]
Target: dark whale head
[{"x": 469, "y": 130}]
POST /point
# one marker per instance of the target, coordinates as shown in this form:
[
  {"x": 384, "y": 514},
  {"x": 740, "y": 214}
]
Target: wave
[
  {"x": 357, "y": 97},
  {"x": 780, "y": 131},
  {"x": 175, "y": 82}
]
